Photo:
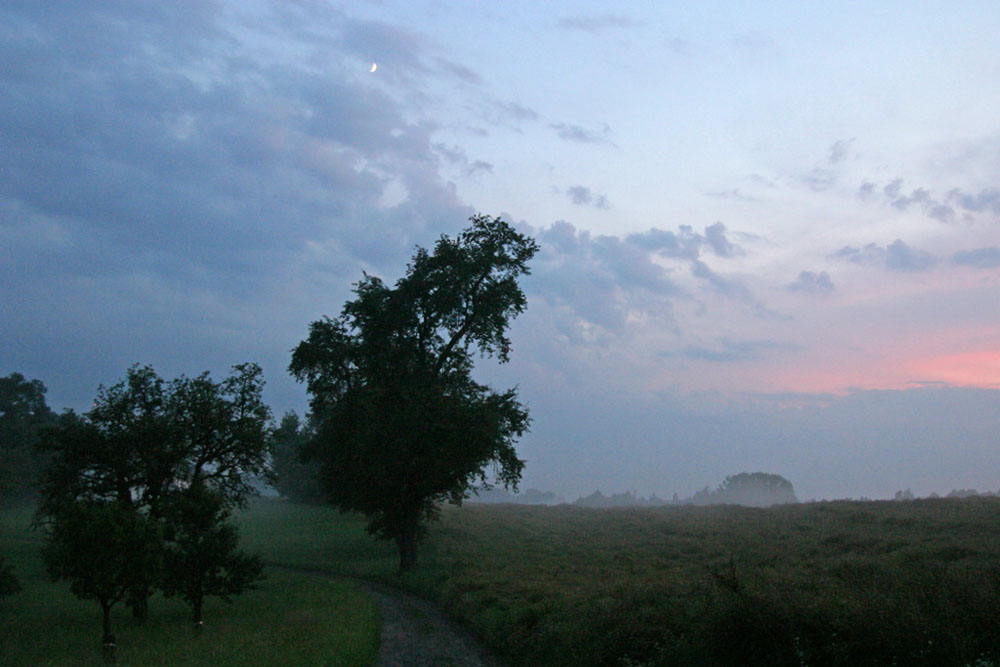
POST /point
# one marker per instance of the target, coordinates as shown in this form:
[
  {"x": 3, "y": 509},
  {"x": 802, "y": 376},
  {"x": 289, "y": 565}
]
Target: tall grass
[
  {"x": 841, "y": 583},
  {"x": 289, "y": 620}
]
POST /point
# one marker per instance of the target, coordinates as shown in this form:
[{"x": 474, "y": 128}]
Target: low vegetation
[
  {"x": 836, "y": 583},
  {"x": 290, "y": 619}
]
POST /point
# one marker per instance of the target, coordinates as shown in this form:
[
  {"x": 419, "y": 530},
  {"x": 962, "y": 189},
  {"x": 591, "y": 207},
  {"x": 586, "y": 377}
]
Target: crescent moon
[{"x": 374, "y": 67}]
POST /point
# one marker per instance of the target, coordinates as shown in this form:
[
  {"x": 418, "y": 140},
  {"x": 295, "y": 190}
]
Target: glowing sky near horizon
[{"x": 743, "y": 209}]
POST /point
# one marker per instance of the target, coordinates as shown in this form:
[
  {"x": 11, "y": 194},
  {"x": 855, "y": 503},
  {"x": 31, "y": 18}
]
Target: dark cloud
[
  {"x": 575, "y": 133},
  {"x": 160, "y": 176},
  {"x": 870, "y": 254},
  {"x": 817, "y": 284},
  {"x": 987, "y": 200},
  {"x": 897, "y": 256},
  {"x": 901, "y": 257},
  {"x": 685, "y": 243},
  {"x": 980, "y": 258},
  {"x": 715, "y": 236},
  {"x": 600, "y": 280},
  {"x": 600, "y": 23},
  {"x": 894, "y": 194},
  {"x": 582, "y": 196}
]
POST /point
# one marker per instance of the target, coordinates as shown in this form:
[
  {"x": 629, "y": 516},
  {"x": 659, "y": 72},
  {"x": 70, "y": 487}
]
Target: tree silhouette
[
  {"x": 145, "y": 440},
  {"x": 401, "y": 426},
  {"x": 105, "y": 550},
  {"x": 23, "y": 413},
  {"x": 201, "y": 557}
]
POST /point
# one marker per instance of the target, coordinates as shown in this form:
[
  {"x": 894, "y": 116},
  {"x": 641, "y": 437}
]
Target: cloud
[
  {"x": 920, "y": 198},
  {"x": 715, "y": 236},
  {"x": 600, "y": 279},
  {"x": 730, "y": 351},
  {"x": 733, "y": 194},
  {"x": 840, "y": 150},
  {"x": 582, "y": 196},
  {"x": 183, "y": 176},
  {"x": 901, "y": 257},
  {"x": 897, "y": 256},
  {"x": 986, "y": 200},
  {"x": 456, "y": 156},
  {"x": 685, "y": 243},
  {"x": 816, "y": 284},
  {"x": 820, "y": 179},
  {"x": 594, "y": 24},
  {"x": 980, "y": 258},
  {"x": 577, "y": 134}
]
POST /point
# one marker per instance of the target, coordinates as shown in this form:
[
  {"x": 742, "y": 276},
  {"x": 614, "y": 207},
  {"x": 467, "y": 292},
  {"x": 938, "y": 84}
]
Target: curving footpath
[{"x": 415, "y": 632}]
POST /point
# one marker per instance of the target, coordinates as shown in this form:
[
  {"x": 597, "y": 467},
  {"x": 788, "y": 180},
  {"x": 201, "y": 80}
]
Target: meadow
[
  {"x": 290, "y": 619},
  {"x": 833, "y": 583}
]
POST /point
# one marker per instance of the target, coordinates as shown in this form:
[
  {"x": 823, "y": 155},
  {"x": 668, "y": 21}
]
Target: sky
[{"x": 770, "y": 232}]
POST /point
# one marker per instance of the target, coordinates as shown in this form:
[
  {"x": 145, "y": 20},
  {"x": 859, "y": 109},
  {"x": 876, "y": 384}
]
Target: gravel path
[{"x": 415, "y": 632}]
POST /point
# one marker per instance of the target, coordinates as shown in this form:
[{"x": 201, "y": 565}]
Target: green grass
[
  {"x": 288, "y": 620},
  {"x": 842, "y": 583}
]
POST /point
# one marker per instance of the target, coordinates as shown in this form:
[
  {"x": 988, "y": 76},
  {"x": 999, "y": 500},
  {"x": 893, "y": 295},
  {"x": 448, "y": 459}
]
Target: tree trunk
[
  {"x": 140, "y": 606},
  {"x": 108, "y": 641},
  {"x": 407, "y": 543},
  {"x": 196, "y": 609}
]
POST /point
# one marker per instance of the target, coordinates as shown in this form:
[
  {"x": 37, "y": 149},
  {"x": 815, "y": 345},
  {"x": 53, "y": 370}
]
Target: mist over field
[{"x": 769, "y": 235}]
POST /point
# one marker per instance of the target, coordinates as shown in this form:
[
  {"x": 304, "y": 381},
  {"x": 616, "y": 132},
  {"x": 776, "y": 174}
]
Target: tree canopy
[
  {"x": 400, "y": 424},
  {"x": 169, "y": 453},
  {"x": 23, "y": 413}
]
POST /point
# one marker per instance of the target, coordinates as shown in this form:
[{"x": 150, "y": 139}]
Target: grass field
[
  {"x": 288, "y": 620},
  {"x": 840, "y": 583}
]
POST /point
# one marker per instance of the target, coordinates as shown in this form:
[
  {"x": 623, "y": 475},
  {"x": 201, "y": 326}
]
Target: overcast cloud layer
[{"x": 770, "y": 239}]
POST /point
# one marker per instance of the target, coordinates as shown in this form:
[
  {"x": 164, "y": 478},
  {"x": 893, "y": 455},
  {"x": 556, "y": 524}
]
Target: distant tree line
[{"x": 757, "y": 489}]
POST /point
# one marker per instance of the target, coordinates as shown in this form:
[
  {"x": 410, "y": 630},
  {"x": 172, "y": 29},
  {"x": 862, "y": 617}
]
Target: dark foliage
[
  {"x": 8, "y": 581},
  {"x": 201, "y": 558},
  {"x": 23, "y": 413},
  {"x": 105, "y": 550},
  {"x": 294, "y": 478},
  {"x": 146, "y": 440},
  {"x": 401, "y": 426}
]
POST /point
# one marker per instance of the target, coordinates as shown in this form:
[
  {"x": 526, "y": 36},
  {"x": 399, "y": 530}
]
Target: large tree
[
  {"x": 145, "y": 440},
  {"x": 401, "y": 426},
  {"x": 23, "y": 413}
]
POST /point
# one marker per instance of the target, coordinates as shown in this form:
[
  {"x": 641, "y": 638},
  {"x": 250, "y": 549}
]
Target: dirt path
[{"x": 415, "y": 632}]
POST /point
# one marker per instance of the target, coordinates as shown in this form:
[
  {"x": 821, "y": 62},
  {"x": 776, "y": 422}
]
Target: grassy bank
[
  {"x": 288, "y": 620},
  {"x": 842, "y": 583}
]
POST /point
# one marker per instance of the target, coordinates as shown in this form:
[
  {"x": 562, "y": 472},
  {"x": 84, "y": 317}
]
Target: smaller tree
[
  {"x": 294, "y": 478},
  {"x": 146, "y": 439},
  {"x": 23, "y": 413},
  {"x": 8, "y": 582},
  {"x": 201, "y": 558},
  {"x": 757, "y": 489},
  {"x": 105, "y": 550}
]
